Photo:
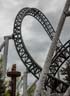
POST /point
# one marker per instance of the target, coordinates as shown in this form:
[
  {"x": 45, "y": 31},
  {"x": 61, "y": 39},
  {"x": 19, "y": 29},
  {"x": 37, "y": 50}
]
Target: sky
[{"x": 35, "y": 38}]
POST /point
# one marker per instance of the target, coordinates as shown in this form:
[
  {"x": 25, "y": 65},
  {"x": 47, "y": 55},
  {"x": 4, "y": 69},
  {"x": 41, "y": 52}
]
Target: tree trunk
[{"x": 45, "y": 70}]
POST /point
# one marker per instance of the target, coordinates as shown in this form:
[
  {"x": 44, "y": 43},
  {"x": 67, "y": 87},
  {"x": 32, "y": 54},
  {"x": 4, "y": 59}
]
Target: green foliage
[
  {"x": 66, "y": 73},
  {"x": 1, "y": 63},
  {"x": 2, "y": 85},
  {"x": 31, "y": 90},
  {"x": 18, "y": 94},
  {"x": 7, "y": 93}
]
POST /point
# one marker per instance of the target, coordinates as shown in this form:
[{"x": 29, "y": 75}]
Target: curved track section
[
  {"x": 26, "y": 58},
  {"x": 62, "y": 55},
  {"x": 20, "y": 46}
]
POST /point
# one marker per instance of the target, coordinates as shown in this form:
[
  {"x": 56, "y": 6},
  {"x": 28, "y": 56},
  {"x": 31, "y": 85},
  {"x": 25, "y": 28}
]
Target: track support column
[
  {"x": 5, "y": 54},
  {"x": 45, "y": 70},
  {"x": 25, "y": 83}
]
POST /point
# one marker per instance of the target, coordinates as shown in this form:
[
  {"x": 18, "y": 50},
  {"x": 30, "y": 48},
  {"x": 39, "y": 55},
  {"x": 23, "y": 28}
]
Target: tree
[
  {"x": 31, "y": 90},
  {"x": 7, "y": 93},
  {"x": 2, "y": 85}
]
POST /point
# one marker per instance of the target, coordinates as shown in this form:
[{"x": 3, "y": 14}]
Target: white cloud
[
  {"x": 8, "y": 11},
  {"x": 15, "y": 3},
  {"x": 11, "y": 3},
  {"x": 51, "y": 5},
  {"x": 56, "y": 5}
]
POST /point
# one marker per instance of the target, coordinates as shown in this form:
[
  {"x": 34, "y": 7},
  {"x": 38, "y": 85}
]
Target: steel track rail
[
  {"x": 23, "y": 53},
  {"x": 51, "y": 81}
]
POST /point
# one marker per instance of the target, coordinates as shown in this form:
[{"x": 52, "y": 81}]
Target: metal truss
[
  {"x": 55, "y": 84},
  {"x": 62, "y": 51},
  {"x": 62, "y": 55}
]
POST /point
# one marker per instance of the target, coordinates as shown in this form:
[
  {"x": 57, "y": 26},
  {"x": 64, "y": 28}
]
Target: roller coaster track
[{"x": 60, "y": 56}]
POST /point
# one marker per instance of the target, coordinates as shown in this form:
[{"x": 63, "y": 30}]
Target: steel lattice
[{"x": 62, "y": 51}]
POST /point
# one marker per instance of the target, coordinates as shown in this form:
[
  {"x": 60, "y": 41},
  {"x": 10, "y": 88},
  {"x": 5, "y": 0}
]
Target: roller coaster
[{"x": 60, "y": 57}]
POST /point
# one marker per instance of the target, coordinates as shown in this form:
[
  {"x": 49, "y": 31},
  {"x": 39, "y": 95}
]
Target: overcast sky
[{"x": 35, "y": 38}]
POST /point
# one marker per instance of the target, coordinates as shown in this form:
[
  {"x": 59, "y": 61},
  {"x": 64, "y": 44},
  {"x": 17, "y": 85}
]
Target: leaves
[
  {"x": 31, "y": 90},
  {"x": 2, "y": 85}
]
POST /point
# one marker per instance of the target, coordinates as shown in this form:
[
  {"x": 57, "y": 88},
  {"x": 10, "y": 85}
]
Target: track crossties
[{"x": 61, "y": 53}]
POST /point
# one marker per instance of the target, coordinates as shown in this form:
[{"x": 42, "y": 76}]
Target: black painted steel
[
  {"x": 61, "y": 54},
  {"x": 56, "y": 85}
]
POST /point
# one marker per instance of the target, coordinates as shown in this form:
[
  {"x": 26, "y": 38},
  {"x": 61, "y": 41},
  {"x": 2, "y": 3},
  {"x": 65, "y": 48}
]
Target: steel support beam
[
  {"x": 67, "y": 13},
  {"x": 26, "y": 58},
  {"x": 25, "y": 83},
  {"x": 45, "y": 70},
  {"x": 2, "y": 45},
  {"x": 5, "y": 53}
]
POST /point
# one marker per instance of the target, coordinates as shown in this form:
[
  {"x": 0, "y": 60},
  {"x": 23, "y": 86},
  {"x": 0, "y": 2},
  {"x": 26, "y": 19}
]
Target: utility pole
[
  {"x": 13, "y": 74},
  {"x": 45, "y": 71}
]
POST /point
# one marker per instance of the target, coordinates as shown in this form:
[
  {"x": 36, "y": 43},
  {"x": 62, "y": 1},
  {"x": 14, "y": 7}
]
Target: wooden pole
[{"x": 13, "y": 74}]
